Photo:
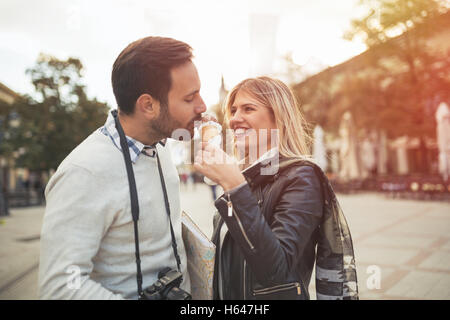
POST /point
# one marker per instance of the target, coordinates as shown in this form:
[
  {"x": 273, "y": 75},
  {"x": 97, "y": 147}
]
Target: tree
[
  {"x": 397, "y": 32},
  {"x": 415, "y": 75},
  {"x": 387, "y": 19},
  {"x": 397, "y": 84},
  {"x": 57, "y": 119}
]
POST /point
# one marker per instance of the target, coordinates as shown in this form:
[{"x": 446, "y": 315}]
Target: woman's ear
[{"x": 147, "y": 106}]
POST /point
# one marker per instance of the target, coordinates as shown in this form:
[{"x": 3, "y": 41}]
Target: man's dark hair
[{"x": 144, "y": 67}]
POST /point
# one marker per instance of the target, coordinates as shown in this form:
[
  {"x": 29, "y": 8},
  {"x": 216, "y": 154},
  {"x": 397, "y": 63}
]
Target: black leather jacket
[{"x": 269, "y": 249}]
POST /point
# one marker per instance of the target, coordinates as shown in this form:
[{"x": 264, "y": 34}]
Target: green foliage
[
  {"x": 389, "y": 18},
  {"x": 54, "y": 122}
]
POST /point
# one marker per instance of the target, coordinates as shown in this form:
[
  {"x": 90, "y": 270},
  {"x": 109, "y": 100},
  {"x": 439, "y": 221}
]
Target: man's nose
[{"x": 201, "y": 107}]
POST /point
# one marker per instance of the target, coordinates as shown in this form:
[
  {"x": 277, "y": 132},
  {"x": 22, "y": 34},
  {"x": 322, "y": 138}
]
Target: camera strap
[
  {"x": 166, "y": 200},
  {"x": 135, "y": 203}
]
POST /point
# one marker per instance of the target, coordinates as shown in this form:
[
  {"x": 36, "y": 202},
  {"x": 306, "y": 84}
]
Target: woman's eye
[{"x": 249, "y": 109}]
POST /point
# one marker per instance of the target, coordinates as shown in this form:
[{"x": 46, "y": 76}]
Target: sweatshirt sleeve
[{"x": 76, "y": 218}]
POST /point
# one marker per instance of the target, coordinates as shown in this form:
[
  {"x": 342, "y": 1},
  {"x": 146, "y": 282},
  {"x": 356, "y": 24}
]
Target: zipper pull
[
  {"x": 299, "y": 291},
  {"x": 230, "y": 206}
]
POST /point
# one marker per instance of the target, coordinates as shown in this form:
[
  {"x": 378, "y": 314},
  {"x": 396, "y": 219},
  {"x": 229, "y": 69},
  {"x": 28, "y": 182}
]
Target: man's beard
[{"x": 164, "y": 125}]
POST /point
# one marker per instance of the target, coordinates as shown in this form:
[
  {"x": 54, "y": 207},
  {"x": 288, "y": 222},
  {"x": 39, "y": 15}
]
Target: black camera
[{"x": 167, "y": 287}]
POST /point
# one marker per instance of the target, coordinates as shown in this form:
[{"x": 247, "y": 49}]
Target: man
[{"x": 87, "y": 239}]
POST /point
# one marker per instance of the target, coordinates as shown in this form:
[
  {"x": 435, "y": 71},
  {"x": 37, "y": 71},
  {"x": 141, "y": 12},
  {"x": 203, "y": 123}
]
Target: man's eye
[{"x": 189, "y": 100}]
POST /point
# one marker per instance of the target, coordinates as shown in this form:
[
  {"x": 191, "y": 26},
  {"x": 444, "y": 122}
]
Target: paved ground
[{"x": 404, "y": 244}]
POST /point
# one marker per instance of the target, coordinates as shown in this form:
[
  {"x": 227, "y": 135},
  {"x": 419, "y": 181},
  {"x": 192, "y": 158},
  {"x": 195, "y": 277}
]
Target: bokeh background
[{"x": 372, "y": 78}]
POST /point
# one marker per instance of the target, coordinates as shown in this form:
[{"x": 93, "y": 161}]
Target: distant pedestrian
[
  {"x": 184, "y": 178},
  {"x": 26, "y": 184},
  {"x": 213, "y": 192},
  {"x": 4, "y": 210}
]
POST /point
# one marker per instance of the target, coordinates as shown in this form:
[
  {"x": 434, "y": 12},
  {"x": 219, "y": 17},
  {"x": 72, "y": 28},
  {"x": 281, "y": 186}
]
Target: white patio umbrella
[
  {"x": 319, "y": 150},
  {"x": 368, "y": 157},
  {"x": 348, "y": 152},
  {"x": 443, "y": 139},
  {"x": 400, "y": 145},
  {"x": 382, "y": 153}
]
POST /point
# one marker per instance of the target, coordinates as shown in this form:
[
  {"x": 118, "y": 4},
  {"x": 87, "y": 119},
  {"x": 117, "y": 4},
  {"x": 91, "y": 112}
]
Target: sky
[{"x": 235, "y": 39}]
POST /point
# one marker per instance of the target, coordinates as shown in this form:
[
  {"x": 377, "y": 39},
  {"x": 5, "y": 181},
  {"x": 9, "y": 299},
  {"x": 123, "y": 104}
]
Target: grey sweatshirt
[{"x": 87, "y": 237}]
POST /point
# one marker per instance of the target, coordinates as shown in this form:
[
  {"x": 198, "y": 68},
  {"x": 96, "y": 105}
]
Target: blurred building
[
  {"x": 8, "y": 174},
  {"x": 222, "y": 91},
  {"x": 14, "y": 178},
  {"x": 6, "y": 94},
  {"x": 400, "y": 155}
]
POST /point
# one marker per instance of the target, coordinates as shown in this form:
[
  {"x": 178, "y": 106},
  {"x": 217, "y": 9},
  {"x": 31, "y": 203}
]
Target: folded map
[{"x": 200, "y": 253}]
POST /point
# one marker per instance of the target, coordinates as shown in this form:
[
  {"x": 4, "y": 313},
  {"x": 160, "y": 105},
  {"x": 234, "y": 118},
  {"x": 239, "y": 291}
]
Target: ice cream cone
[{"x": 209, "y": 132}]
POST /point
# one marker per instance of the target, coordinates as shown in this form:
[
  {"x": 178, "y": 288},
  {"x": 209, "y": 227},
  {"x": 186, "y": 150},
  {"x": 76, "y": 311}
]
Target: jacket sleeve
[
  {"x": 273, "y": 250},
  {"x": 74, "y": 223}
]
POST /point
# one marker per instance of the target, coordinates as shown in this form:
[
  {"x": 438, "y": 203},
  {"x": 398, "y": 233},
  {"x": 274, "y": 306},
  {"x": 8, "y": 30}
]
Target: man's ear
[{"x": 147, "y": 106}]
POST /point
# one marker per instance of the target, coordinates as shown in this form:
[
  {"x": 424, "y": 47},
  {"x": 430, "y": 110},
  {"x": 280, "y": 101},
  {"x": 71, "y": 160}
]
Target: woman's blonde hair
[{"x": 293, "y": 140}]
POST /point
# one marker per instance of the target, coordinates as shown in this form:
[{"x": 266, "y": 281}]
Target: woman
[{"x": 272, "y": 211}]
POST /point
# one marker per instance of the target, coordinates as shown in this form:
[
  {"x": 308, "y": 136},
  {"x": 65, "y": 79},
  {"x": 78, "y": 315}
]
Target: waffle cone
[{"x": 209, "y": 132}]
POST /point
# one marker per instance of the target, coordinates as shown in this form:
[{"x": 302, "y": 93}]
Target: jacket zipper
[
  {"x": 278, "y": 288},
  {"x": 230, "y": 207}
]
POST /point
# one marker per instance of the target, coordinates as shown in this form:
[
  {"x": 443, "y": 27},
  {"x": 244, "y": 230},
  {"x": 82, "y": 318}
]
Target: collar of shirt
[{"x": 135, "y": 147}]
